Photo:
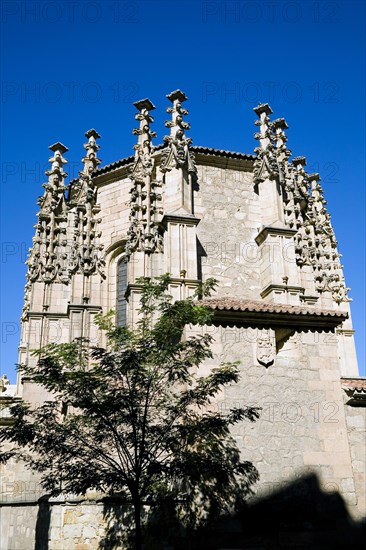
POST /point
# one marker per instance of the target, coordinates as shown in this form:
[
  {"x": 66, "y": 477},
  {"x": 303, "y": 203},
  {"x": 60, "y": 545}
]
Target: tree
[{"x": 134, "y": 419}]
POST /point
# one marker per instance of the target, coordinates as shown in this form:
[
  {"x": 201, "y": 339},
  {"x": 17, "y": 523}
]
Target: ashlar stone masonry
[{"x": 258, "y": 223}]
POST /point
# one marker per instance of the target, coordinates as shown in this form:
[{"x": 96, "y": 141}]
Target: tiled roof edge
[
  {"x": 194, "y": 148},
  {"x": 232, "y": 304}
]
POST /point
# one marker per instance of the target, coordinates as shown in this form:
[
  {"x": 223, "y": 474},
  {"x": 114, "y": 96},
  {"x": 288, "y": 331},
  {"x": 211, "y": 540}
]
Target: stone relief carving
[
  {"x": 67, "y": 240},
  {"x": 144, "y": 233},
  {"x": 266, "y": 348},
  {"x": 85, "y": 247},
  {"x": 177, "y": 155},
  {"x": 47, "y": 259},
  {"x": 303, "y": 202}
]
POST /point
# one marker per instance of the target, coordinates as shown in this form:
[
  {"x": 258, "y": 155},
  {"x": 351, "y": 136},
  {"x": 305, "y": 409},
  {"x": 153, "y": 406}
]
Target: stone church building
[{"x": 258, "y": 223}]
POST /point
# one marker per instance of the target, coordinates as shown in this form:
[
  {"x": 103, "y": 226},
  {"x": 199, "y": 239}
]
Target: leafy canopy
[{"x": 134, "y": 419}]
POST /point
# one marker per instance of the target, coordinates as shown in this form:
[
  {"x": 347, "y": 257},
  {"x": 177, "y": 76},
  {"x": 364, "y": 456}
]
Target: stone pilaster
[
  {"x": 179, "y": 172},
  {"x": 280, "y": 277},
  {"x": 266, "y": 171},
  {"x": 177, "y": 163},
  {"x": 144, "y": 239}
]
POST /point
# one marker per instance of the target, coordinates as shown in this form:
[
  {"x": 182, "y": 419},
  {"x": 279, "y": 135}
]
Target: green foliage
[{"x": 135, "y": 419}]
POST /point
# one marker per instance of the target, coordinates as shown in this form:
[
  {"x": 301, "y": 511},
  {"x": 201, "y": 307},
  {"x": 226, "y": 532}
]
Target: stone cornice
[
  {"x": 63, "y": 314},
  {"x": 277, "y": 231},
  {"x": 355, "y": 389},
  {"x": 282, "y": 288},
  {"x": 260, "y": 314},
  {"x": 187, "y": 219}
]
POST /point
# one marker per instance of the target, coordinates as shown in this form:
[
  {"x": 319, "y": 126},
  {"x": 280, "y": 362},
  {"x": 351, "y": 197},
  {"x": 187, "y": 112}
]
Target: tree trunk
[{"x": 138, "y": 533}]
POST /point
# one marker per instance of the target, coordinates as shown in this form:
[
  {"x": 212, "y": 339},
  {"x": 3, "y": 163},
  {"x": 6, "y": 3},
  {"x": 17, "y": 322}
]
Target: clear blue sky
[{"x": 70, "y": 66}]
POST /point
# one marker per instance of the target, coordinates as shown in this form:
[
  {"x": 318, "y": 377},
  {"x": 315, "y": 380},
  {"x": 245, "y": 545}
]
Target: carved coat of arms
[{"x": 266, "y": 350}]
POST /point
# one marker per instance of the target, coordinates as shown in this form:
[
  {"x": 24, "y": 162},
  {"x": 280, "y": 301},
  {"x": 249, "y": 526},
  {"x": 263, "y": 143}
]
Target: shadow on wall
[{"x": 297, "y": 517}]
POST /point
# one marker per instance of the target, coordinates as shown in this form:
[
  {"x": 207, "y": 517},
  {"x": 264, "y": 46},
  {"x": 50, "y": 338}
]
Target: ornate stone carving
[
  {"x": 265, "y": 165},
  {"x": 85, "y": 248},
  {"x": 67, "y": 240},
  {"x": 303, "y": 203},
  {"x": 144, "y": 233},
  {"x": 266, "y": 348},
  {"x": 177, "y": 155},
  {"x": 327, "y": 268},
  {"x": 47, "y": 260},
  {"x": 4, "y": 383}
]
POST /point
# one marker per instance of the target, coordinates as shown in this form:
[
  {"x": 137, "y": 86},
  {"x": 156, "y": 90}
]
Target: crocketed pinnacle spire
[
  {"x": 84, "y": 237},
  {"x": 265, "y": 165},
  {"x": 56, "y": 175},
  {"x": 303, "y": 204},
  {"x": 47, "y": 259},
  {"x": 144, "y": 233},
  {"x": 278, "y": 127},
  {"x": 91, "y": 160},
  {"x": 178, "y": 154},
  {"x": 53, "y": 198},
  {"x": 83, "y": 191},
  {"x": 328, "y": 268},
  {"x": 144, "y": 147}
]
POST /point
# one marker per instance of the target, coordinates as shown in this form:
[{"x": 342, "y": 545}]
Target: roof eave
[{"x": 261, "y": 319}]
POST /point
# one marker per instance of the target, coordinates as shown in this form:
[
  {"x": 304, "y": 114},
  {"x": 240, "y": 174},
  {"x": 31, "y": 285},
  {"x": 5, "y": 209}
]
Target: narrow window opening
[{"x": 121, "y": 291}]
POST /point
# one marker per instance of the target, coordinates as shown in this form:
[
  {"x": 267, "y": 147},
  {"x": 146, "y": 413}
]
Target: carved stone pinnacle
[
  {"x": 279, "y": 124},
  {"x": 58, "y": 147},
  {"x": 263, "y": 108},
  {"x": 297, "y": 161},
  {"x": 92, "y": 133},
  {"x": 177, "y": 94},
  {"x": 144, "y": 104}
]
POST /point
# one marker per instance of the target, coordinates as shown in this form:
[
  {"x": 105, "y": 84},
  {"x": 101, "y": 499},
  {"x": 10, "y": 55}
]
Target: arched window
[{"x": 121, "y": 290}]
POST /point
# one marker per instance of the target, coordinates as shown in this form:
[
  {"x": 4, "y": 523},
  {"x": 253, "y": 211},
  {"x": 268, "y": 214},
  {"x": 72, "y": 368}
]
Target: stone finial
[
  {"x": 299, "y": 162},
  {"x": 144, "y": 147},
  {"x": 263, "y": 110},
  {"x": 55, "y": 187},
  {"x": 266, "y": 163},
  {"x": 85, "y": 251},
  {"x": 278, "y": 127},
  {"x": 4, "y": 382},
  {"x": 177, "y": 125},
  {"x": 177, "y": 155},
  {"x": 144, "y": 133},
  {"x": 316, "y": 188},
  {"x": 91, "y": 160},
  {"x": 279, "y": 124},
  {"x": 56, "y": 174}
]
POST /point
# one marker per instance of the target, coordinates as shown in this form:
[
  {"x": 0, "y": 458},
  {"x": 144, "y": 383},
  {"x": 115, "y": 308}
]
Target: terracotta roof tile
[
  {"x": 355, "y": 383},
  {"x": 235, "y": 304}
]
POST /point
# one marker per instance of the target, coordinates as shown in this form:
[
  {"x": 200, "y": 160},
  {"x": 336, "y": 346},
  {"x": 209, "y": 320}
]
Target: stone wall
[
  {"x": 356, "y": 427},
  {"x": 228, "y": 209},
  {"x": 302, "y": 426}
]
